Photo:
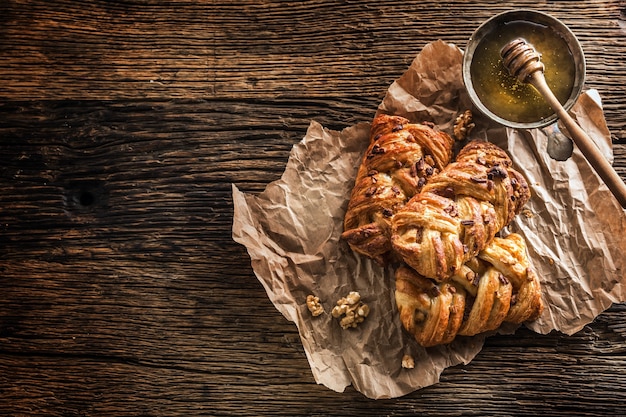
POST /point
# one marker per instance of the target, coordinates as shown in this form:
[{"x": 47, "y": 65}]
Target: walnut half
[
  {"x": 353, "y": 310},
  {"x": 463, "y": 125},
  {"x": 314, "y": 305}
]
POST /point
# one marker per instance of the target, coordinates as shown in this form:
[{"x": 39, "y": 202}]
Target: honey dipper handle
[{"x": 582, "y": 140}]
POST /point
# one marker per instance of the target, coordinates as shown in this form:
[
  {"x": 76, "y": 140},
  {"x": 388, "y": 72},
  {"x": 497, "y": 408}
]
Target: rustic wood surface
[{"x": 123, "y": 125}]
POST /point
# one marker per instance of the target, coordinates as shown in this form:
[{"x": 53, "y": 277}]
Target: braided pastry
[
  {"x": 459, "y": 211},
  {"x": 497, "y": 286},
  {"x": 400, "y": 158}
]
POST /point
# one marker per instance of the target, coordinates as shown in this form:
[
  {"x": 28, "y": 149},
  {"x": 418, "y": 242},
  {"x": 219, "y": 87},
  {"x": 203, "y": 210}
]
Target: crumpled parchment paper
[{"x": 575, "y": 233}]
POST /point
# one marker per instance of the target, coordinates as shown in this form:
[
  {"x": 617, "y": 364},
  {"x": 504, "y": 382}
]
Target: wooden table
[{"x": 123, "y": 125}]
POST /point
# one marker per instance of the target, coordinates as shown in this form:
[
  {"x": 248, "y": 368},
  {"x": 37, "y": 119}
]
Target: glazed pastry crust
[
  {"x": 440, "y": 220},
  {"x": 509, "y": 256},
  {"x": 432, "y": 313},
  {"x": 498, "y": 286},
  {"x": 459, "y": 211},
  {"x": 400, "y": 159}
]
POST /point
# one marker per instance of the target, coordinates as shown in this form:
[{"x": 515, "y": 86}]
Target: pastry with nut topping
[
  {"x": 498, "y": 286},
  {"x": 459, "y": 211},
  {"x": 400, "y": 159}
]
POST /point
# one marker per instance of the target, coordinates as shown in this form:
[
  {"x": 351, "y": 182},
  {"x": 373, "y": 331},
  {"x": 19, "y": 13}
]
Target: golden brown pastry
[
  {"x": 431, "y": 312},
  {"x": 399, "y": 160},
  {"x": 459, "y": 211},
  {"x": 499, "y": 285},
  {"x": 510, "y": 257}
]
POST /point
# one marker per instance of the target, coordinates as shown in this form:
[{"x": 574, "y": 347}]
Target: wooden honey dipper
[{"x": 523, "y": 62}]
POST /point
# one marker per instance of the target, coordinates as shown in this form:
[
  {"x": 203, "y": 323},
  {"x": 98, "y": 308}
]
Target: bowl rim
[{"x": 532, "y": 16}]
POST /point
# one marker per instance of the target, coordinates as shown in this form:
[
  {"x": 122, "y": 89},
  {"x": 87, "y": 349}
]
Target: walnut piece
[
  {"x": 408, "y": 362},
  {"x": 463, "y": 125},
  {"x": 314, "y": 305},
  {"x": 353, "y": 310}
]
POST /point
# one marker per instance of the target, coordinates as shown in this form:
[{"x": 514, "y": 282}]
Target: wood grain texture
[
  {"x": 250, "y": 49},
  {"x": 123, "y": 125}
]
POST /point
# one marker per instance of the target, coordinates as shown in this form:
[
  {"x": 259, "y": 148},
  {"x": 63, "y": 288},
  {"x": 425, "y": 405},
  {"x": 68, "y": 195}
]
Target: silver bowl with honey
[{"x": 501, "y": 96}]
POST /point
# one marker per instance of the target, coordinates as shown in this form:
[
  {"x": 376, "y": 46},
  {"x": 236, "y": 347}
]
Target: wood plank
[
  {"x": 317, "y": 50},
  {"x": 106, "y": 49}
]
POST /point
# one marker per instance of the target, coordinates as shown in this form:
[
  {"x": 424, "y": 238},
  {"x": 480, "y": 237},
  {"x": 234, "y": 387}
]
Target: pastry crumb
[
  {"x": 353, "y": 310},
  {"x": 314, "y": 305}
]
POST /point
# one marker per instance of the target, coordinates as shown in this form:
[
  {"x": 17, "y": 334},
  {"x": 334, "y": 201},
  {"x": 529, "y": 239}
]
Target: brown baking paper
[{"x": 574, "y": 228}]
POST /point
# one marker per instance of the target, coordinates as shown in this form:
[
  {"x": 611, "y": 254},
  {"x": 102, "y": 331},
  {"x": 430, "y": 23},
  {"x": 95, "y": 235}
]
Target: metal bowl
[{"x": 533, "y": 17}]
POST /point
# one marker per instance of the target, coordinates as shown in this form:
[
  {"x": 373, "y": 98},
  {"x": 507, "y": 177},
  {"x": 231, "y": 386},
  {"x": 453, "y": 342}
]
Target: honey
[{"x": 503, "y": 94}]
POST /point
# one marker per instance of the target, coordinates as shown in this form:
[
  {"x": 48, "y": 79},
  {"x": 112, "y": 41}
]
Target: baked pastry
[
  {"x": 509, "y": 256},
  {"x": 459, "y": 211},
  {"x": 497, "y": 286},
  {"x": 398, "y": 162}
]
